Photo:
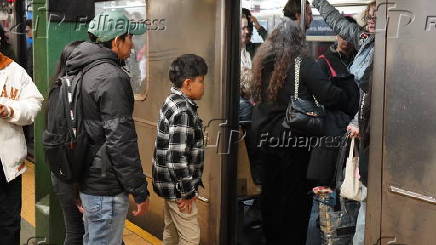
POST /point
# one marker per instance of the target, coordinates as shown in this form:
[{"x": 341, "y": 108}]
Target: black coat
[
  {"x": 268, "y": 115},
  {"x": 108, "y": 106},
  {"x": 322, "y": 164}
]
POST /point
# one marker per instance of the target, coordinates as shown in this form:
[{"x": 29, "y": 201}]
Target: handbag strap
[
  {"x": 332, "y": 70},
  {"x": 297, "y": 79},
  {"x": 297, "y": 76},
  {"x": 351, "y": 153}
]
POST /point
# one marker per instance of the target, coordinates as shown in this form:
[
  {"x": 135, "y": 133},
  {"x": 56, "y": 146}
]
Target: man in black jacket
[{"x": 115, "y": 169}]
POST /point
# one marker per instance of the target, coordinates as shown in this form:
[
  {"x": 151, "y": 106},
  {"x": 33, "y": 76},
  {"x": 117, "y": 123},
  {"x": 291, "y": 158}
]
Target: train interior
[{"x": 319, "y": 37}]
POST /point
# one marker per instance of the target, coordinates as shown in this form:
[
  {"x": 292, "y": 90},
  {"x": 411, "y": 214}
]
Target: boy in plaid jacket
[{"x": 179, "y": 151}]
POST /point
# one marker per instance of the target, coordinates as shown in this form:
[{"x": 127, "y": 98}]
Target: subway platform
[{"x": 133, "y": 235}]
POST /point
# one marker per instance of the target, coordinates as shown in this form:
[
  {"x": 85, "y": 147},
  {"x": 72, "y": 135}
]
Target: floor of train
[{"x": 133, "y": 235}]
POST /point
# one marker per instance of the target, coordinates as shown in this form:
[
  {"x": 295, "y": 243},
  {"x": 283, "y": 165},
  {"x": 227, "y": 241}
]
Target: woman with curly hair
[{"x": 284, "y": 153}]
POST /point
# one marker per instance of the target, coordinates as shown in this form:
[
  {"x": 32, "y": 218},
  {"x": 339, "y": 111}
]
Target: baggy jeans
[{"x": 104, "y": 218}]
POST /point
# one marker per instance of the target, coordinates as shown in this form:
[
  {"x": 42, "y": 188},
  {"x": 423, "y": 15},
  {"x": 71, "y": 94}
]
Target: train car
[{"x": 401, "y": 201}]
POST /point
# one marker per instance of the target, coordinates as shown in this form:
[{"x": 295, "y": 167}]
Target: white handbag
[{"x": 351, "y": 187}]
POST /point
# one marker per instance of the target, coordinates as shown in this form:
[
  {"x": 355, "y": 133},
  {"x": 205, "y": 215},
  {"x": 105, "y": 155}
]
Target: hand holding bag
[
  {"x": 351, "y": 187},
  {"x": 303, "y": 116}
]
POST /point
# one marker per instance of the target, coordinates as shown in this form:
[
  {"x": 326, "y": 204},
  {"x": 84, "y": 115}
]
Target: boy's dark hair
[
  {"x": 107, "y": 44},
  {"x": 186, "y": 66},
  {"x": 350, "y": 19},
  {"x": 292, "y": 8}
]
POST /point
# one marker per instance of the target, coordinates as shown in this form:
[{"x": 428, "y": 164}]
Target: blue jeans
[
  {"x": 104, "y": 218},
  {"x": 359, "y": 236},
  {"x": 313, "y": 229},
  {"x": 245, "y": 110}
]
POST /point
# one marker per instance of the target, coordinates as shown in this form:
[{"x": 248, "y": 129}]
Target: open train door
[{"x": 402, "y": 183}]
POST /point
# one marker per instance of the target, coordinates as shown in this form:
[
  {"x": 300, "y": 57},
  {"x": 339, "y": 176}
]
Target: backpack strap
[{"x": 332, "y": 70}]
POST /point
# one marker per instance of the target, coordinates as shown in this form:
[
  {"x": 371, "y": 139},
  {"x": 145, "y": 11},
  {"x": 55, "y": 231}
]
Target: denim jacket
[{"x": 352, "y": 32}]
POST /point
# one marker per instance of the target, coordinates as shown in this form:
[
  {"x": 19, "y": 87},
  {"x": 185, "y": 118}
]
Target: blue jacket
[{"x": 352, "y": 32}]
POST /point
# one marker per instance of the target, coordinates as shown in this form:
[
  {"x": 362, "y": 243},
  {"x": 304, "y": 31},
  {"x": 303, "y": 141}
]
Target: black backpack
[{"x": 65, "y": 139}]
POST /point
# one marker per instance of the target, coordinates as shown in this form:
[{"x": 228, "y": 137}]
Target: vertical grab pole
[{"x": 302, "y": 15}]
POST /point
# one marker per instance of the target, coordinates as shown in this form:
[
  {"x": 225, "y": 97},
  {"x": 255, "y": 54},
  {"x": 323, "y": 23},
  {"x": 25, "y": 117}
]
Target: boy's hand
[
  {"x": 185, "y": 206},
  {"x": 142, "y": 208}
]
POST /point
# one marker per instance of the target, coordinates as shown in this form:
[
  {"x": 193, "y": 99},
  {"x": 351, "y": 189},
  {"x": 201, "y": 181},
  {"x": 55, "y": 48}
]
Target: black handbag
[{"x": 303, "y": 116}]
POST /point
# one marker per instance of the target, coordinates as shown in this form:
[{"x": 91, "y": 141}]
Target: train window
[
  {"x": 137, "y": 63},
  {"x": 269, "y": 13}
]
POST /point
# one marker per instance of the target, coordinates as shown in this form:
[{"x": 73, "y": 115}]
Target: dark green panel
[{"x": 49, "y": 40}]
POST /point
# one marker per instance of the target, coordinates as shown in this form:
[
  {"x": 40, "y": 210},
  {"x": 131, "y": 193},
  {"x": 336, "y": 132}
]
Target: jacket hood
[
  {"x": 4, "y": 61},
  {"x": 86, "y": 53}
]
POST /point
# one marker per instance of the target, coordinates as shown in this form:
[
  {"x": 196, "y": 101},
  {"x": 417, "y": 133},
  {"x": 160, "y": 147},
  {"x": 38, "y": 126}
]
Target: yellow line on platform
[
  {"x": 142, "y": 233},
  {"x": 28, "y": 194}
]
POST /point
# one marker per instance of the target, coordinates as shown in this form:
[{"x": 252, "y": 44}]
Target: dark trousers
[
  {"x": 10, "y": 210},
  {"x": 285, "y": 201},
  {"x": 67, "y": 196}
]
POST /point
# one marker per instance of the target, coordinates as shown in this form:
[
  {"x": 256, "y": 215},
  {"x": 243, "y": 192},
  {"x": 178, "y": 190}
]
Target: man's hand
[
  {"x": 141, "y": 208},
  {"x": 354, "y": 131},
  {"x": 185, "y": 206}
]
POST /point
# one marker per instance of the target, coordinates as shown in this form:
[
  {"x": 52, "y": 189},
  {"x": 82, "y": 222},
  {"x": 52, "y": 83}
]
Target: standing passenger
[
  {"x": 285, "y": 202},
  {"x": 5, "y": 47},
  {"x": 179, "y": 151},
  {"x": 248, "y": 50},
  {"x": 20, "y": 101},
  {"x": 364, "y": 40},
  {"x": 115, "y": 169},
  {"x": 322, "y": 166},
  {"x": 66, "y": 192}
]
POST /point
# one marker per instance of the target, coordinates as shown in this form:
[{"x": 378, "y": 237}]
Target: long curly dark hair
[{"x": 285, "y": 43}]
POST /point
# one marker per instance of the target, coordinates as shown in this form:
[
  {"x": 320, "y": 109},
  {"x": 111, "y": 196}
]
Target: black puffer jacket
[{"x": 108, "y": 106}]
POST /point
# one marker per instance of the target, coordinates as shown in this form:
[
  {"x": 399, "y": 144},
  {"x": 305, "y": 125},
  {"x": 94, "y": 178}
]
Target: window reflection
[{"x": 137, "y": 63}]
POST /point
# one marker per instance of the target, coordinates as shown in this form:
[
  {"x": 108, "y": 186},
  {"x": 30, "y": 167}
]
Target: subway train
[{"x": 402, "y": 186}]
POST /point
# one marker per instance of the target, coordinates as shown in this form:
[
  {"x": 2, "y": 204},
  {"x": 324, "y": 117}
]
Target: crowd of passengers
[
  {"x": 339, "y": 80},
  {"x": 95, "y": 209}
]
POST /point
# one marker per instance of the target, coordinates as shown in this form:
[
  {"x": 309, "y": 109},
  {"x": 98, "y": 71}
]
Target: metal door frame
[{"x": 375, "y": 171}]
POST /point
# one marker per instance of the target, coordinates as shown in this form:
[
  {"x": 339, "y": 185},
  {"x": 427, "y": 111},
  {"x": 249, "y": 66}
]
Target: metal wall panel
[
  {"x": 374, "y": 204},
  {"x": 409, "y": 158}
]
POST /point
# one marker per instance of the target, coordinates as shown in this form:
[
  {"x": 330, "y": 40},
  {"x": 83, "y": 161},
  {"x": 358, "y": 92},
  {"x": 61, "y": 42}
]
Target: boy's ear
[{"x": 187, "y": 83}]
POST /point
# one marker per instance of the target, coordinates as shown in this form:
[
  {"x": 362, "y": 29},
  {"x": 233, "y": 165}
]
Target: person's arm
[
  {"x": 353, "y": 126},
  {"x": 344, "y": 28},
  {"x": 181, "y": 130},
  {"x": 263, "y": 33},
  {"x": 116, "y": 106},
  {"x": 25, "y": 108}
]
